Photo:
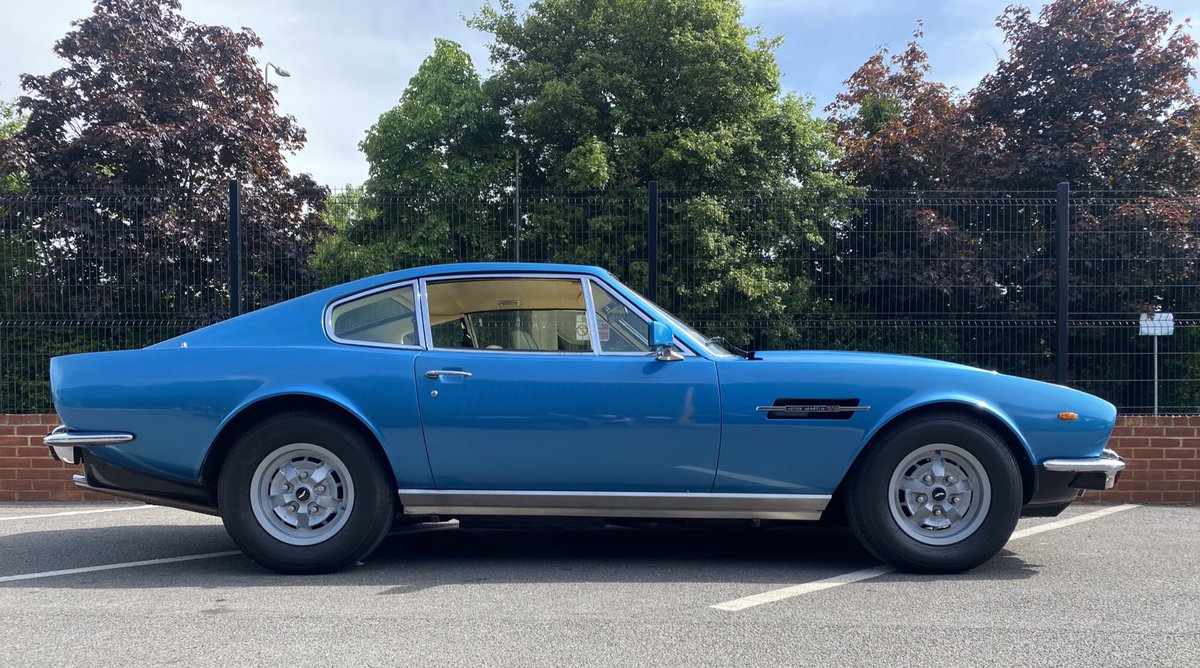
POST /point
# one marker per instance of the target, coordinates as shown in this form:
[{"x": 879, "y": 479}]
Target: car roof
[
  {"x": 434, "y": 270},
  {"x": 298, "y": 321}
]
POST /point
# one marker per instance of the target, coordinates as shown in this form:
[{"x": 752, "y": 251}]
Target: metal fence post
[
  {"x": 652, "y": 252},
  {"x": 1062, "y": 285},
  {"x": 517, "y": 206},
  {"x": 235, "y": 249}
]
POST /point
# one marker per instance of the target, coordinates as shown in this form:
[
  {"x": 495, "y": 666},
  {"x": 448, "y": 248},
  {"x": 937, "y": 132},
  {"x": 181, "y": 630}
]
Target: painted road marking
[
  {"x": 170, "y": 560},
  {"x": 868, "y": 573},
  {"x": 807, "y": 587},
  {"x": 76, "y": 512},
  {"x": 110, "y": 567},
  {"x": 1058, "y": 524}
]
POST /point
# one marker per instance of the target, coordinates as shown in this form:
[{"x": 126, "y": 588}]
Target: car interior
[{"x": 515, "y": 314}]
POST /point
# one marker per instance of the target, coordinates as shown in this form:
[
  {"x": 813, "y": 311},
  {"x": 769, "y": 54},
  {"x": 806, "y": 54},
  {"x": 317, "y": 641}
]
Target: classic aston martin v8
[{"x": 460, "y": 391}]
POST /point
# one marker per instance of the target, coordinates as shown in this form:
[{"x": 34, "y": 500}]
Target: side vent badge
[{"x": 812, "y": 409}]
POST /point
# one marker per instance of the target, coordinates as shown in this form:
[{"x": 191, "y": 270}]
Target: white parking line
[
  {"x": 807, "y": 587},
  {"x": 868, "y": 573},
  {"x": 171, "y": 560},
  {"x": 1058, "y": 524},
  {"x": 76, "y": 512},
  {"x": 110, "y": 567}
]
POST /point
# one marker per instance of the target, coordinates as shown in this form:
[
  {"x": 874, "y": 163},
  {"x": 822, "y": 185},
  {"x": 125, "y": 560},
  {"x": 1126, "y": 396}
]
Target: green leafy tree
[
  {"x": 611, "y": 94},
  {"x": 436, "y": 164},
  {"x": 608, "y": 94},
  {"x": 11, "y": 122}
]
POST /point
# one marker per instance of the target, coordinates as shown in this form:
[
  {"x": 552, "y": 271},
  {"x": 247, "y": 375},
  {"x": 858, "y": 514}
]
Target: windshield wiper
[{"x": 721, "y": 341}]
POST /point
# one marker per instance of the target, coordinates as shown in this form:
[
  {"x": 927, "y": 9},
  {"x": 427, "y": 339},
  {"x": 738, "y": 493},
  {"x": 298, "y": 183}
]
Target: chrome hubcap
[
  {"x": 301, "y": 494},
  {"x": 939, "y": 494}
]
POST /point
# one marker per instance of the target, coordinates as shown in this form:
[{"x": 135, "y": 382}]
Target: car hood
[{"x": 855, "y": 358}]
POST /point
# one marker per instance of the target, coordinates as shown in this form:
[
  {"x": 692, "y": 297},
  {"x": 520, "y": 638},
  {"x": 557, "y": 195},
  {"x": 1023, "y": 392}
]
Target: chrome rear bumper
[
  {"x": 1094, "y": 472},
  {"x": 64, "y": 444}
]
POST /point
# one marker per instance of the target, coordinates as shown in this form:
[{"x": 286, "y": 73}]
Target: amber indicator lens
[{"x": 1068, "y": 415}]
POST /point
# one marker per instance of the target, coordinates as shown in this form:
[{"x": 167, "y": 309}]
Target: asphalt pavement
[{"x": 132, "y": 585}]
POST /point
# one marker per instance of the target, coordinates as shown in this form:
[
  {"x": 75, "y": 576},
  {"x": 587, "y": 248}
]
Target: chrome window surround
[
  {"x": 585, "y": 280},
  {"x": 418, "y": 303},
  {"x": 424, "y": 328}
]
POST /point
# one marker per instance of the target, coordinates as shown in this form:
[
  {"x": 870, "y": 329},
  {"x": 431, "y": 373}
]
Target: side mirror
[
  {"x": 661, "y": 339},
  {"x": 660, "y": 335}
]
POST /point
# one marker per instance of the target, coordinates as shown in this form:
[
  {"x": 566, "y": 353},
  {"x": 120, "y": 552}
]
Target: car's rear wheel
[
  {"x": 939, "y": 494},
  {"x": 303, "y": 493}
]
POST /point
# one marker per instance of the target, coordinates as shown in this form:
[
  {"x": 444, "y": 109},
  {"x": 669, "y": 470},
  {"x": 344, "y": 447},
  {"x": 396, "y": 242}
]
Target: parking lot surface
[{"x": 105, "y": 584}]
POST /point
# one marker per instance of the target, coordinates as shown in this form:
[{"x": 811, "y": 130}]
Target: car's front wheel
[
  {"x": 303, "y": 493},
  {"x": 940, "y": 494}
]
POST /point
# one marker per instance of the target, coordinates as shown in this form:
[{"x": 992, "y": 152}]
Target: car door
[{"x": 519, "y": 392}]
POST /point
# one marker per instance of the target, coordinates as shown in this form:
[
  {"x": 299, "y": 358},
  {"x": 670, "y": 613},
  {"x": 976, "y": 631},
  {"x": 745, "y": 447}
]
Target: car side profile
[{"x": 554, "y": 391}]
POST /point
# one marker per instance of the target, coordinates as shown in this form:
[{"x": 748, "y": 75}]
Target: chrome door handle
[{"x": 433, "y": 374}]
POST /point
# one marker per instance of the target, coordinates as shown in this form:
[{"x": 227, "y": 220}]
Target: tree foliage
[
  {"x": 11, "y": 122},
  {"x": 151, "y": 103},
  {"x": 593, "y": 95},
  {"x": 633, "y": 90},
  {"x": 898, "y": 129},
  {"x": 1093, "y": 92},
  {"x": 437, "y": 164},
  {"x": 1096, "y": 93}
]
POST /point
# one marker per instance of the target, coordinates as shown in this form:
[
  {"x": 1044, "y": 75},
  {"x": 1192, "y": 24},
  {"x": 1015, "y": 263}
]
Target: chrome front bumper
[
  {"x": 1092, "y": 472},
  {"x": 64, "y": 444}
]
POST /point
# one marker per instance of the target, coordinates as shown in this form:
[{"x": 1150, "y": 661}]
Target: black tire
[
  {"x": 896, "y": 521},
  {"x": 350, "y": 515}
]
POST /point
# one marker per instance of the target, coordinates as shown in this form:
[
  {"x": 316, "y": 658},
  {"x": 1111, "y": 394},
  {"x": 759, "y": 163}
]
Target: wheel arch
[
  {"x": 264, "y": 407},
  {"x": 973, "y": 409}
]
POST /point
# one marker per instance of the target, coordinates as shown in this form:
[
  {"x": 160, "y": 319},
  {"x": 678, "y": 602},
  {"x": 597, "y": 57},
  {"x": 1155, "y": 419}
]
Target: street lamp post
[{"x": 278, "y": 70}]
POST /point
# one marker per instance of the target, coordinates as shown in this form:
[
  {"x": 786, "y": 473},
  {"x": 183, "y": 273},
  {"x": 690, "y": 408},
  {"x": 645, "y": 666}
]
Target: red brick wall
[
  {"x": 1162, "y": 460},
  {"x": 1163, "y": 456},
  {"x": 27, "y": 471}
]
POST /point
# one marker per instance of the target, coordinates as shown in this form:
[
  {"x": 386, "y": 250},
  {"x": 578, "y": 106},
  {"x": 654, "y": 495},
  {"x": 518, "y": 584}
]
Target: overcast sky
[{"x": 350, "y": 60}]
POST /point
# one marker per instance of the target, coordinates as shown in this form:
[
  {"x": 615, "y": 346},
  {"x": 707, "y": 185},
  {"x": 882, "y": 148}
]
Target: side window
[
  {"x": 527, "y": 314},
  {"x": 383, "y": 317},
  {"x": 620, "y": 329}
]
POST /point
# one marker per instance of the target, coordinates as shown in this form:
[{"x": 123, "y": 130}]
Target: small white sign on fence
[{"x": 1156, "y": 324}]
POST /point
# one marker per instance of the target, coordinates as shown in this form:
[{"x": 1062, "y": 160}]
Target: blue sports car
[{"x": 517, "y": 390}]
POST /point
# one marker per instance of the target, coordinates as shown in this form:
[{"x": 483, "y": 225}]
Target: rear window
[{"x": 383, "y": 317}]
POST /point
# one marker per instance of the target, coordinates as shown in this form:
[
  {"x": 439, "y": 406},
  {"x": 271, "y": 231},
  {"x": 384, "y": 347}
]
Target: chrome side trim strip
[
  {"x": 60, "y": 436},
  {"x": 614, "y": 504}
]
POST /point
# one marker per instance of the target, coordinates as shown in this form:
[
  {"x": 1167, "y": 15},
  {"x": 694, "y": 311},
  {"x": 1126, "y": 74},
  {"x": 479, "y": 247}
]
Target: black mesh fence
[{"x": 966, "y": 277}]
